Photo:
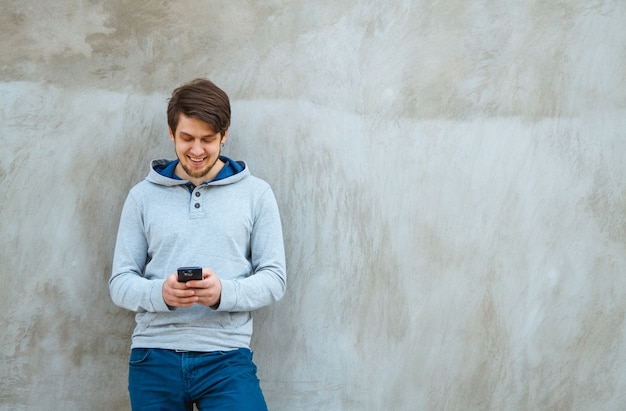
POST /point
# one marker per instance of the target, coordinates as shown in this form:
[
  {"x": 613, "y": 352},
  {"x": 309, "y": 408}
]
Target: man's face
[{"x": 197, "y": 148}]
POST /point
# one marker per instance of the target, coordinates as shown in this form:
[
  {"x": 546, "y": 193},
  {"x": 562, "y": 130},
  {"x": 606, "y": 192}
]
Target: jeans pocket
[{"x": 138, "y": 355}]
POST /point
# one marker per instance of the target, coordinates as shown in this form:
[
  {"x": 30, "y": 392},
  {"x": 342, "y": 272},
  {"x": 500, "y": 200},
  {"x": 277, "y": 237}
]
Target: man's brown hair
[{"x": 203, "y": 100}]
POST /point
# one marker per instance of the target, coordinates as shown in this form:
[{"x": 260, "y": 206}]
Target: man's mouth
[{"x": 196, "y": 160}]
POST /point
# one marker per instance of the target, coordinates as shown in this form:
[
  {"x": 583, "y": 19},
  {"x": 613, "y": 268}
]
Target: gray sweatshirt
[{"x": 231, "y": 225}]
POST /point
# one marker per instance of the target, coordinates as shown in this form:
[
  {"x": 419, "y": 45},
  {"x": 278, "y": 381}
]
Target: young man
[{"x": 191, "y": 342}]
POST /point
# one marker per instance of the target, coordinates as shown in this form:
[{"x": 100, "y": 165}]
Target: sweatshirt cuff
[
  {"x": 228, "y": 299},
  {"x": 156, "y": 297}
]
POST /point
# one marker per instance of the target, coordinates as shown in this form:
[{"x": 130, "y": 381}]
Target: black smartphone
[{"x": 189, "y": 273}]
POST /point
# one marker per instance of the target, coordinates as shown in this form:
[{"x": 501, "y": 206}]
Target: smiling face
[{"x": 198, "y": 149}]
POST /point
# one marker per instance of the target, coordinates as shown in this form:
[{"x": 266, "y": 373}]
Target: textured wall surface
[{"x": 451, "y": 177}]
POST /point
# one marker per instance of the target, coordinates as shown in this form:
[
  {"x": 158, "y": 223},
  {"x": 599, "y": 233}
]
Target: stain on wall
[{"x": 450, "y": 177}]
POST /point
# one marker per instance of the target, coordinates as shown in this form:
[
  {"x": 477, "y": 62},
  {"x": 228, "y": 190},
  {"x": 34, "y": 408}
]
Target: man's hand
[{"x": 207, "y": 291}]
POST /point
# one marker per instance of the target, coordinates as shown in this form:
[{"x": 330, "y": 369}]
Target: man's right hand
[{"x": 177, "y": 294}]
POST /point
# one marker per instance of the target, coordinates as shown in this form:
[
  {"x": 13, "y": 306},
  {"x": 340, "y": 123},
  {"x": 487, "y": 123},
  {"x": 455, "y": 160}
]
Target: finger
[
  {"x": 207, "y": 272},
  {"x": 184, "y": 293},
  {"x": 197, "y": 284},
  {"x": 180, "y": 285},
  {"x": 185, "y": 300}
]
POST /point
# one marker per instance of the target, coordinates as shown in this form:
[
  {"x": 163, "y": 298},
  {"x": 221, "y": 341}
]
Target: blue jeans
[{"x": 168, "y": 380}]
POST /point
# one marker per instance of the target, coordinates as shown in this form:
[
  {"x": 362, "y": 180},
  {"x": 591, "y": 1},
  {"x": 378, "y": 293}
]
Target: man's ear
[
  {"x": 171, "y": 133},
  {"x": 225, "y": 136}
]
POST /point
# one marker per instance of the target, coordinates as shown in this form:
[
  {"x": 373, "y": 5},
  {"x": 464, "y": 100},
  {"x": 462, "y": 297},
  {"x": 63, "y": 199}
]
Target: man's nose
[{"x": 196, "y": 147}]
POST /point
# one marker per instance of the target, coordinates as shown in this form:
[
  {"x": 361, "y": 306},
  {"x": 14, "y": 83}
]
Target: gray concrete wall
[{"x": 450, "y": 175}]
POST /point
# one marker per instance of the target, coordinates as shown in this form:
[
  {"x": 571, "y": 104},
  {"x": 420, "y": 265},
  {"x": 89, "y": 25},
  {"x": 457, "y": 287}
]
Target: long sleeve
[
  {"x": 268, "y": 280},
  {"x": 128, "y": 287}
]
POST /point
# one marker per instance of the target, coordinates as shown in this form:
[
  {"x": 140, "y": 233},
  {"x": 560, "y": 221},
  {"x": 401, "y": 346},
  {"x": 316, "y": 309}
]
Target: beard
[{"x": 195, "y": 173}]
